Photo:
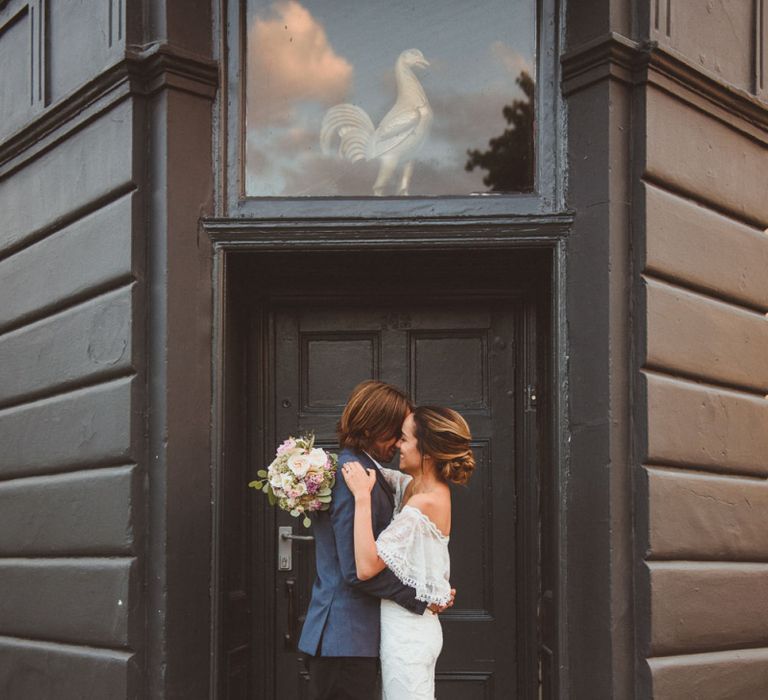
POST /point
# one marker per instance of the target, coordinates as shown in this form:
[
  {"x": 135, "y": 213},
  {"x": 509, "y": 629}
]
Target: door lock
[{"x": 285, "y": 539}]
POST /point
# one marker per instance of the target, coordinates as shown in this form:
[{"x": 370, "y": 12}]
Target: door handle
[{"x": 285, "y": 539}]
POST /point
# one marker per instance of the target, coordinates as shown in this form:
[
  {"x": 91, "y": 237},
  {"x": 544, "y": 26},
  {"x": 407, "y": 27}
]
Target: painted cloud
[{"x": 290, "y": 60}]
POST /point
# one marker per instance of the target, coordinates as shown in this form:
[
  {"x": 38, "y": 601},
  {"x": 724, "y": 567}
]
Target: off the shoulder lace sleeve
[
  {"x": 417, "y": 553},
  {"x": 398, "y": 481}
]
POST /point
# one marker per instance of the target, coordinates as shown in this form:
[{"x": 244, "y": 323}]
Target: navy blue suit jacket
[{"x": 343, "y": 615}]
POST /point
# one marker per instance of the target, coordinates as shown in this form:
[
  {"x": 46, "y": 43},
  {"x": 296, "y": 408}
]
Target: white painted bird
[{"x": 398, "y": 137}]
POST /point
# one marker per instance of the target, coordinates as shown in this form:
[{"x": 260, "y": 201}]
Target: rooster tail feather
[{"x": 351, "y": 126}]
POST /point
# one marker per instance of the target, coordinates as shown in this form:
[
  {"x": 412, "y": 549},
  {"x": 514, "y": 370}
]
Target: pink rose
[{"x": 287, "y": 446}]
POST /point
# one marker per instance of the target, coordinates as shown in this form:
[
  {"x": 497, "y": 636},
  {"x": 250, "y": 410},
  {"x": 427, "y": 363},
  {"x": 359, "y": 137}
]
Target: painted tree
[{"x": 509, "y": 159}]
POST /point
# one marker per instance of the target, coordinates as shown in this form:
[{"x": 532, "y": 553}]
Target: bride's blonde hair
[{"x": 444, "y": 435}]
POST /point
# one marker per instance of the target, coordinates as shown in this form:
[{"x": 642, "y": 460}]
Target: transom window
[{"x": 395, "y": 98}]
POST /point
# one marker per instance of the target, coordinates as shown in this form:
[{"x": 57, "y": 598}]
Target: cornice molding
[
  {"x": 615, "y": 57},
  {"x": 611, "y": 56},
  {"x": 158, "y": 66},
  {"x": 671, "y": 71},
  {"x": 142, "y": 71}
]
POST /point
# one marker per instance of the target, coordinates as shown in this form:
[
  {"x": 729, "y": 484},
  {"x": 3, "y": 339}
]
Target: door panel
[{"x": 461, "y": 355}]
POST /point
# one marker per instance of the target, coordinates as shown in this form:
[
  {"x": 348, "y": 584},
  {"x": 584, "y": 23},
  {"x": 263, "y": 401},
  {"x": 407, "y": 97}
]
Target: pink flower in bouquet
[
  {"x": 315, "y": 482},
  {"x": 300, "y": 489},
  {"x": 287, "y": 446}
]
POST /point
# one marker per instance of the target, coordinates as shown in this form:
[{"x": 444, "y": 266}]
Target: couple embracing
[{"x": 382, "y": 549}]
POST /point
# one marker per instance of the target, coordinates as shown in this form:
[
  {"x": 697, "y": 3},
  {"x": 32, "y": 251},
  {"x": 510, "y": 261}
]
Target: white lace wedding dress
[{"x": 417, "y": 553}]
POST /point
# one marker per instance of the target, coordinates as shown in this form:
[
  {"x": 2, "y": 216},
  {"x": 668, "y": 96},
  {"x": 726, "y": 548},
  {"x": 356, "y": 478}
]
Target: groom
[{"x": 341, "y": 631}]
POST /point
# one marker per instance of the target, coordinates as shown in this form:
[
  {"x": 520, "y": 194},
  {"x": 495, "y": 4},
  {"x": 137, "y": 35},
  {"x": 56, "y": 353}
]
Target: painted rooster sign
[{"x": 349, "y": 131}]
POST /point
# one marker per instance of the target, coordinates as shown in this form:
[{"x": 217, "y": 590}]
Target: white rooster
[{"x": 399, "y": 135}]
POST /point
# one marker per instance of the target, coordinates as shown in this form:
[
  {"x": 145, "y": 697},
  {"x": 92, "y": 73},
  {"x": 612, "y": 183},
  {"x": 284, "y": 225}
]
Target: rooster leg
[
  {"x": 386, "y": 170},
  {"x": 405, "y": 180}
]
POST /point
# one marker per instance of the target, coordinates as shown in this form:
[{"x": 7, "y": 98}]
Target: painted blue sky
[{"x": 303, "y": 57}]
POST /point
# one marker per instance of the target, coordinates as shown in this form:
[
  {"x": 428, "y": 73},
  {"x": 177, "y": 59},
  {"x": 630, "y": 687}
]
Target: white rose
[
  {"x": 316, "y": 459},
  {"x": 275, "y": 479},
  {"x": 299, "y": 465}
]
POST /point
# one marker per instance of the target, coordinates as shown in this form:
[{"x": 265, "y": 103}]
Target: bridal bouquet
[{"x": 300, "y": 478}]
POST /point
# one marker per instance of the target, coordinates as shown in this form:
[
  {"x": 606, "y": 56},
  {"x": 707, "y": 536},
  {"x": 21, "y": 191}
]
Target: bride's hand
[
  {"x": 437, "y": 609},
  {"x": 359, "y": 480}
]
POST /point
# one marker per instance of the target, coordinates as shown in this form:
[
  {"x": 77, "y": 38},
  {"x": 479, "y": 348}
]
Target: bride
[{"x": 434, "y": 451}]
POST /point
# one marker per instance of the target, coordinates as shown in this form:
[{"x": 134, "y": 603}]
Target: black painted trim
[
  {"x": 239, "y": 234},
  {"x": 611, "y": 55}
]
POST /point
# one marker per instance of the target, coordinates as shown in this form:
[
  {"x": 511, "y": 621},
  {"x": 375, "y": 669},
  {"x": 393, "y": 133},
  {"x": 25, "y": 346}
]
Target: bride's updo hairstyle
[{"x": 444, "y": 435}]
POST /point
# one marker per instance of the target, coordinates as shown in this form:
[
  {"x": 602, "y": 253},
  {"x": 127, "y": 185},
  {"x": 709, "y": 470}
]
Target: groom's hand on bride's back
[{"x": 439, "y": 608}]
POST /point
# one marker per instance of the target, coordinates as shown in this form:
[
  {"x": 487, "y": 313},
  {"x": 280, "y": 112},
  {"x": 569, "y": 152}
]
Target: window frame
[{"x": 547, "y": 197}]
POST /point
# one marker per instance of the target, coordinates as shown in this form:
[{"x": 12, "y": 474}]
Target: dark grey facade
[{"x": 133, "y": 274}]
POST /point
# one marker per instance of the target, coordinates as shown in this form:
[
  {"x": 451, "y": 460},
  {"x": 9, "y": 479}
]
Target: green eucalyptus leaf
[
  {"x": 256, "y": 484},
  {"x": 272, "y": 499},
  {"x": 307, "y": 522},
  {"x": 261, "y": 472}
]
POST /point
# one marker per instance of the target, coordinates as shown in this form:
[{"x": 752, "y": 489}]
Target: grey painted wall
[
  {"x": 702, "y": 297},
  {"x": 668, "y": 130},
  {"x": 71, "y": 421},
  {"x": 98, "y": 116}
]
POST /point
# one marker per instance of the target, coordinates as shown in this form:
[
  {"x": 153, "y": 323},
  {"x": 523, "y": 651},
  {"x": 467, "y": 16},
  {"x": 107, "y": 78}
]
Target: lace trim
[
  {"x": 430, "y": 524},
  {"x": 416, "y": 552},
  {"x": 426, "y": 591}
]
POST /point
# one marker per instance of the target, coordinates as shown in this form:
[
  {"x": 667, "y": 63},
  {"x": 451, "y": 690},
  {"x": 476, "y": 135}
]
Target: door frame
[{"x": 547, "y": 234}]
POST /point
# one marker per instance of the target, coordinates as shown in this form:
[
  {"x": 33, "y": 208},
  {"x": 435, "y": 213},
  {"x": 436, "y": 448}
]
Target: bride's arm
[
  {"x": 395, "y": 478},
  {"x": 397, "y": 481},
  {"x": 360, "y": 483}
]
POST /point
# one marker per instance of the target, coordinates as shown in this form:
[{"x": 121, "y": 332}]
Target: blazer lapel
[{"x": 380, "y": 478}]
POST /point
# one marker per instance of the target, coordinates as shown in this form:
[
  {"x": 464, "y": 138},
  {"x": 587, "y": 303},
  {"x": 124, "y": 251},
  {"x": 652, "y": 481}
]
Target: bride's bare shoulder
[
  {"x": 436, "y": 505},
  {"x": 437, "y": 499}
]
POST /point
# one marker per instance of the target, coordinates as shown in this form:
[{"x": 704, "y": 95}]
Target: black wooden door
[{"x": 467, "y": 355}]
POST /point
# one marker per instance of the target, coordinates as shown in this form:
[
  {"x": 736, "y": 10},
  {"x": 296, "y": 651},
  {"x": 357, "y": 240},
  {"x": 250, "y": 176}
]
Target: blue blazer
[{"x": 343, "y": 615}]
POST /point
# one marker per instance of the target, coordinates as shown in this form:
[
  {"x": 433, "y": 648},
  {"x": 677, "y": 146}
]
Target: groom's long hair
[{"x": 374, "y": 411}]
